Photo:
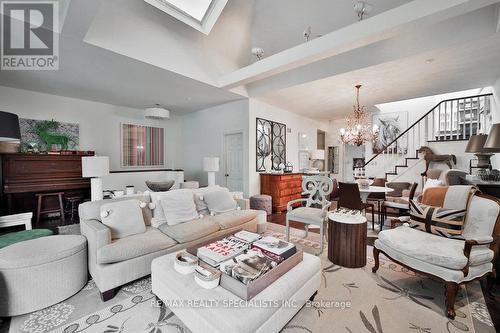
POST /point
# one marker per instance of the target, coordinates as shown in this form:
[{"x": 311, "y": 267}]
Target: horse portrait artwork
[
  {"x": 429, "y": 157},
  {"x": 390, "y": 127}
]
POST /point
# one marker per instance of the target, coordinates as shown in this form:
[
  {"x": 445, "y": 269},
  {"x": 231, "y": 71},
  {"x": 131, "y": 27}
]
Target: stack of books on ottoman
[{"x": 248, "y": 262}]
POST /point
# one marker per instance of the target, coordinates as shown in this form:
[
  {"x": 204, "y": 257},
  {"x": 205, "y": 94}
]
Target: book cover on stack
[
  {"x": 274, "y": 246},
  {"x": 248, "y": 266},
  {"x": 222, "y": 250},
  {"x": 247, "y": 236}
]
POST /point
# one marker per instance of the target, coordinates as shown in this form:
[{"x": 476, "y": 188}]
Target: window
[
  {"x": 199, "y": 14},
  {"x": 194, "y": 8}
]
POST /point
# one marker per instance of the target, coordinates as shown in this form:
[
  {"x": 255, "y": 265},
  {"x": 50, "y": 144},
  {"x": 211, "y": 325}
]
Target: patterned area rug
[{"x": 349, "y": 300}]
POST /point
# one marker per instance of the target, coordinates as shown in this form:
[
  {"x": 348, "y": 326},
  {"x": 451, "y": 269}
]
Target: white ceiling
[
  {"x": 454, "y": 69},
  {"x": 128, "y": 53},
  {"x": 93, "y": 73},
  {"x": 278, "y": 24}
]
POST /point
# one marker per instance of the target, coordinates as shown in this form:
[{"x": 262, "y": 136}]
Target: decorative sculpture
[
  {"x": 50, "y": 139},
  {"x": 429, "y": 157}
]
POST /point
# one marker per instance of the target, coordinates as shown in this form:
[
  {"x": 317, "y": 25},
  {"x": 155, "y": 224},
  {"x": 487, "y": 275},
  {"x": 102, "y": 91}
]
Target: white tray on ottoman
[{"x": 218, "y": 310}]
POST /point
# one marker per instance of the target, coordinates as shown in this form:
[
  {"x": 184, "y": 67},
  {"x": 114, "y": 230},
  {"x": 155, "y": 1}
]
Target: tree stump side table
[{"x": 347, "y": 241}]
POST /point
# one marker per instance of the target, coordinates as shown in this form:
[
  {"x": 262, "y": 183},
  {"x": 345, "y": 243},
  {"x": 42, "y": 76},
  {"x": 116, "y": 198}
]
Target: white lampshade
[
  {"x": 95, "y": 166},
  {"x": 211, "y": 164},
  {"x": 318, "y": 154}
]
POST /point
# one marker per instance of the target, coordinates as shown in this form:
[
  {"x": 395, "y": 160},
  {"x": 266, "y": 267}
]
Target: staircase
[{"x": 450, "y": 120}]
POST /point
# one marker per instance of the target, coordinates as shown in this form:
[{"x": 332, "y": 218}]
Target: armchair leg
[
  {"x": 321, "y": 231},
  {"x": 376, "y": 254},
  {"x": 490, "y": 281},
  {"x": 306, "y": 226},
  {"x": 451, "y": 296}
]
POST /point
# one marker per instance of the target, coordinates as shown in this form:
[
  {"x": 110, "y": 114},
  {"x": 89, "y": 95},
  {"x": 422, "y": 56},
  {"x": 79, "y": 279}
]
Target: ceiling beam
[
  {"x": 498, "y": 19},
  {"x": 79, "y": 17},
  {"x": 385, "y": 25}
]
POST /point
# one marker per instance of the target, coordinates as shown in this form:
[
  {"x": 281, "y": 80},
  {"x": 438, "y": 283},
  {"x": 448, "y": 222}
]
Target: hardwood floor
[{"x": 493, "y": 304}]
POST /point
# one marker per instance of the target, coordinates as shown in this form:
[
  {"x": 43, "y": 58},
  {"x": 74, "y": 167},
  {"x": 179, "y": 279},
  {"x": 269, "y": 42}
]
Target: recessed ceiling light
[{"x": 430, "y": 60}]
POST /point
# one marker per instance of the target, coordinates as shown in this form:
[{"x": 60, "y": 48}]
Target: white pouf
[{"x": 41, "y": 272}]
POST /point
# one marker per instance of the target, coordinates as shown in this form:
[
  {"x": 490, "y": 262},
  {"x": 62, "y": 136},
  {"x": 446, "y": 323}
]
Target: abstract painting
[
  {"x": 391, "y": 125},
  {"x": 142, "y": 146}
]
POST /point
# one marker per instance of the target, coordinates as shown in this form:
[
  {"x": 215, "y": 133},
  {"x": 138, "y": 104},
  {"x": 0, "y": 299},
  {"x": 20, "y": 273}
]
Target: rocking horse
[{"x": 429, "y": 157}]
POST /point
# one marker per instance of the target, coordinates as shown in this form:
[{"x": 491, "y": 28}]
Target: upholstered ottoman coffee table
[
  {"x": 218, "y": 310},
  {"x": 41, "y": 272}
]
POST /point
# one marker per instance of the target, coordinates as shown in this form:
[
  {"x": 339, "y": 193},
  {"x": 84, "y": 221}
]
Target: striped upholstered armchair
[{"x": 454, "y": 261}]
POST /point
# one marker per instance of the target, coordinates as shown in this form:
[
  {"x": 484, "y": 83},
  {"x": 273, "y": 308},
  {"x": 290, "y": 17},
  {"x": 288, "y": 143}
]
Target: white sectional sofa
[{"x": 114, "y": 262}]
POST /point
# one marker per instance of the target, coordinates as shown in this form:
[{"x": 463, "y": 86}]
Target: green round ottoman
[{"x": 20, "y": 236}]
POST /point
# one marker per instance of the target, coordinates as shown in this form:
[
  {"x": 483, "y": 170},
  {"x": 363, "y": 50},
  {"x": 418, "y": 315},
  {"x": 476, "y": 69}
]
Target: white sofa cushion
[
  {"x": 436, "y": 250},
  {"x": 91, "y": 210},
  {"x": 189, "y": 231},
  {"x": 124, "y": 218},
  {"x": 178, "y": 206},
  {"x": 235, "y": 218},
  {"x": 134, "y": 246},
  {"x": 220, "y": 201},
  {"x": 201, "y": 205},
  {"x": 446, "y": 274}
]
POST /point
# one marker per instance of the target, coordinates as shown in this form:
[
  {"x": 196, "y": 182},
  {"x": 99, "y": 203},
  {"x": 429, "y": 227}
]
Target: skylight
[
  {"x": 194, "y": 8},
  {"x": 199, "y": 14}
]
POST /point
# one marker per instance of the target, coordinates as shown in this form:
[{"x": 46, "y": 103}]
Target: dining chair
[
  {"x": 350, "y": 198},
  {"x": 315, "y": 212},
  {"x": 400, "y": 207},
  {"x": 379, "y": 197},
  {"x": 334, "y": 196}
]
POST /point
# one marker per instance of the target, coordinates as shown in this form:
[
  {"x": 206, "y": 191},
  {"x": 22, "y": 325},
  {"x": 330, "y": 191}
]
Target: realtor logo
[{"x": 29, "y": 40}]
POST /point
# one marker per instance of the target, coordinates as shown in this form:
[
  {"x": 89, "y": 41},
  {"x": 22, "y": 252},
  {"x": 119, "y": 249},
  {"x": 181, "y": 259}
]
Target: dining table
[{"x": 365, "y": 191}]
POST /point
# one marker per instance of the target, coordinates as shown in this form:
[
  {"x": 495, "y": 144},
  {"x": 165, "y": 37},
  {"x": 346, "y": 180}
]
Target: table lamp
[
  {"x": 95, "y": 167},
  {"x": 211, "y": 165},
  {"x": 317, "y": 156},
  {"x": 492, "y": 144},
  {"x": 10, "y": 134},
  {"x": 476, "y": 146}
]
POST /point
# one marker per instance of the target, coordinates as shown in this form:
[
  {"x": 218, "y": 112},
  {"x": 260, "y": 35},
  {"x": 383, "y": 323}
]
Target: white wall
[
  {"x": 415, "y": 109},
  {"x": 203, "y": 136},
  {"x": 99, "y": 123},
  {"x": 297, "y": 124}
]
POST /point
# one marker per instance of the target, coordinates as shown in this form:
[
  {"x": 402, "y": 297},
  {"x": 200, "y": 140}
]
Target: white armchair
[
  {"x": 453, "y": 261},
  {"x": 317, "y": 188}
]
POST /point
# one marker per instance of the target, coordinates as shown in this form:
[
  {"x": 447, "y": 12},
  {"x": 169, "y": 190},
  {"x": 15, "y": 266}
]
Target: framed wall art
[
  {"x": 270, "y": 144},
  {"x": 142, "y": 146}
]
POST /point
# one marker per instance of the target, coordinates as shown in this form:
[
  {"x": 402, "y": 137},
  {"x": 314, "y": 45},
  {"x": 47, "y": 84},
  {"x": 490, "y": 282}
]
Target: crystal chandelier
[{"x": 358, "y": 130}]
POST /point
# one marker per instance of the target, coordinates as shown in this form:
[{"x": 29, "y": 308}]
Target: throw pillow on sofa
[
  {"x": 219, "y": 202},
  {"x": 124, "y": 218},
  {"x": 199, "y": 193},
  {"x": 437, "y": 220},
  {"x": 178, "y": 206}
]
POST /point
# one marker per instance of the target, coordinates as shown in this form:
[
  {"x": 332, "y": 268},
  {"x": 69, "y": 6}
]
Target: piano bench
[{"x": 43, "y": 209}]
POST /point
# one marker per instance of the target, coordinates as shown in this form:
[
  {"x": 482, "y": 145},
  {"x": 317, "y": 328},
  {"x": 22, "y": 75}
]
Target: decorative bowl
[
  {"x": 364, "y": 183},
  {"x": 185, "y": 263}
]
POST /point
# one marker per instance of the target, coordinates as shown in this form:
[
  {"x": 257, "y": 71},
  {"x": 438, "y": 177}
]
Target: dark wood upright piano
[{"x": 23, "y": 175}]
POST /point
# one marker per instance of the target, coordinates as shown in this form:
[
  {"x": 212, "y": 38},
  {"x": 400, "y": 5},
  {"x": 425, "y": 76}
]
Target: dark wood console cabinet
[{"x": 282, "y": 188}]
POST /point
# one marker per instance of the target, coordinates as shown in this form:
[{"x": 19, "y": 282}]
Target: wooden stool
[
  {"x": 71, "y": 204},
  {"x": 41, "y": 209}
]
